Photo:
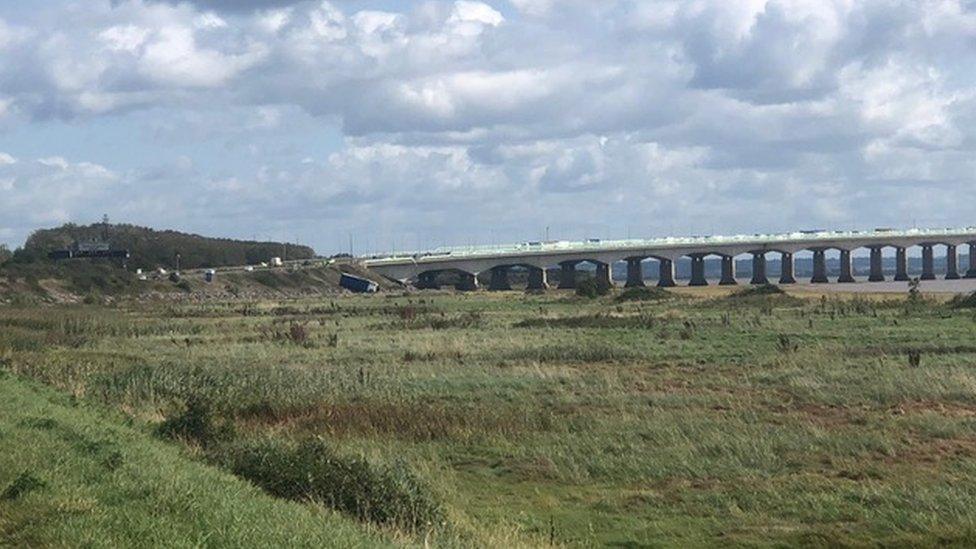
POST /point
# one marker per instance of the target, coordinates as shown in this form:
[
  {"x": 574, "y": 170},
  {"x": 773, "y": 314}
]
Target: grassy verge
[{"x": 72, "y": 476}]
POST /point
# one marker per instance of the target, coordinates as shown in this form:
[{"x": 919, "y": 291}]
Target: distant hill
[{"x": 150, "y": 248}]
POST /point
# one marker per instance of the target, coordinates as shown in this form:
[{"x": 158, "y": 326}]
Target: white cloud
[
  {"x": 533, "y": 7},
  {"x": 173, "y": 57},
  {"x": 50, "y": 190},
  {"x": 54, "y": 162},
  {"x": 209, "y": 20},
  {"x": 787, "y": 109},
  {"x": 127, "y": 38},
  {"x": 466, "y": 11}
]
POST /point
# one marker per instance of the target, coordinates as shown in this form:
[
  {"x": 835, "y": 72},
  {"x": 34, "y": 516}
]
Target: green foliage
[
  {"x": 313, "y": 470},
  {"x": 23, "y": 484},
  {"x": 591, "y": 288},
  {"x": 5, "y": 254},
  {"x": 196, "y": 423},
  {"x": 150, "y": 248},
  {"x": 967, "y": 301},
  {"x": 765, "y": 420},
  {"x": 106, "y": 484},
  {"x": 760, "y": 290},
  {"x": 913, "y": 289},
  {"x": 766, "y": 296}
]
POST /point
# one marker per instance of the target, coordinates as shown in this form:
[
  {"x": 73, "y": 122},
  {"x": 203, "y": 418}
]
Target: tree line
[{"x": 150, "y": 248}]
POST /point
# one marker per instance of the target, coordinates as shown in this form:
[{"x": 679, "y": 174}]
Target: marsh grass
[
  {"x": 599, "y": 320},
  {"x": 750, "y": 420},
  {"x": 644, "y": 294},
  {"x": 312, "y": 469}
]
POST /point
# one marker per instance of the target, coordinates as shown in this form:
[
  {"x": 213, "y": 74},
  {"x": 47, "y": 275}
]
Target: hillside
[
  {"x": 150, "y": 248},
  {"x": 114, "y": 486},
  {"x": 77, "y": 281}
]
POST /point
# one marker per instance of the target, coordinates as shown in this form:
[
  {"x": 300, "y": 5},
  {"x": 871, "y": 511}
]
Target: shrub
[
  {"x": 961, "y": 301},
  {"x": 913, "y": 289},
  {"x": 313, "y": 470},
  {"x": 764, "y": 289},
  {"x": 644, "y": 294},
  {"x": 591, "y": 288},
  {"x": 196, "y": 423},
  {"x": 765, "y": 296},
  {"x": 914, "y": 358}
]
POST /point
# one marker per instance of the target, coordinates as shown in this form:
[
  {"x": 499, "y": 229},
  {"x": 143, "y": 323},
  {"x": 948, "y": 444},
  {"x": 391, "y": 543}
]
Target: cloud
[
  {"x": 752, "y": 115},
  {"x": 49, "y": 191}
]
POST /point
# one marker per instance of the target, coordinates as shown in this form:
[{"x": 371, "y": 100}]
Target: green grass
[
  {"x": 73, "y": 476},
  {"x": 755, "y": 418}
]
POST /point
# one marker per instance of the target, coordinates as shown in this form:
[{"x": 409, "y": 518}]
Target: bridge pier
[
  {"x": 846, "y": 270},
  {"x": 467, "y": 283},
  {"x": 499, "y": 280},
  {"x": 971, "y": 272},
  {"x": 427, "y": 281},
  {"x": 877, "y": 267},
  {"x": 819, "y": 267},
  {"x": 537, "y": 279},
  {"x": 786, "y": 269},
  {"x": 728, "y": 271},
  {"x": 603, "y": 278},
  {"x": 759, "y": 269},
  {"x": 567, "y": 275},
  {"x": 698, "y": 271},
  {"x": 928, "y": 263},
  {"x": 901, "y": 264},
  {"x": 952, "y": 263},
  {"x": 665, "y": 277},
  {"x": 635, "y": 273}
]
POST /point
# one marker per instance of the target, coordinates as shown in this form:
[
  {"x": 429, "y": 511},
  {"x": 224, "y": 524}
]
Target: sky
[{"x": 386, "y": 125}]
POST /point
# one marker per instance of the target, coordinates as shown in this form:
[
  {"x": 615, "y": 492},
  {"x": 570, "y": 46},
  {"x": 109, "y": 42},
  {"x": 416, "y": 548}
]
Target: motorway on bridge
[{"x": 538, "y": 257}]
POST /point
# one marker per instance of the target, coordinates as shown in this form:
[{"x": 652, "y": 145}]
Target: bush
[
  {"x": 196, "y": 423},
  {"x": 644, "y": 294},
  {"x": 591, "y": 288},
  {"x": 353, "y": 485},
  {"x": 766, "y": 296},
  {"x": 761, "y": 290},
  {"x": 963, "y": 301}
]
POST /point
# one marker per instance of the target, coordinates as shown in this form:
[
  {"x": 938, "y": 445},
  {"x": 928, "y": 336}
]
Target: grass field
[
  {"x": 73, "y": 476},
  {"x": 510, "y": 419}
]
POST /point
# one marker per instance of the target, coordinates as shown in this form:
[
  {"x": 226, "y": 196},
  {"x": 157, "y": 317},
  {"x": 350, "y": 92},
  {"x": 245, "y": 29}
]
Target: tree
[{"x": 5, "y": 253}]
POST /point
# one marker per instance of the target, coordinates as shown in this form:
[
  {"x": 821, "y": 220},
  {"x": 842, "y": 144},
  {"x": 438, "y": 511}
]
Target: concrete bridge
[{"x": 537, "y": 258}]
